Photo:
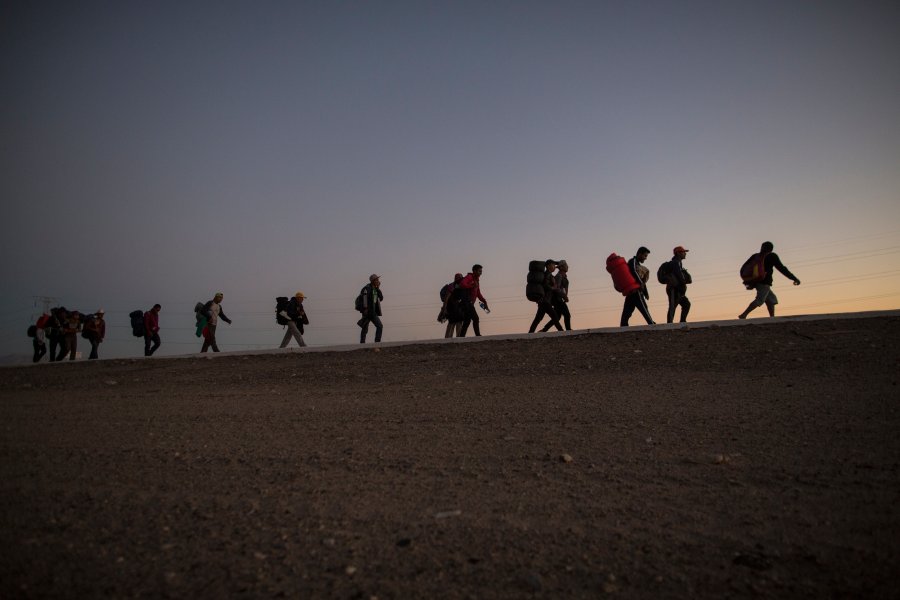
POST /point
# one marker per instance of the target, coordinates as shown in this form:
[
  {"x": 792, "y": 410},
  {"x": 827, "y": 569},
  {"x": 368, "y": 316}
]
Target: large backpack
[
  {"x": 753, "y": 270},
  {"x": 358, "y": 303},
  {"x": 664, "y": 273},
  {"x": 446, "y": 291},
  {"x": 137, "y": 323},
  {"x": 534, "y": 281},
  {"x": 282, "y": 304}
]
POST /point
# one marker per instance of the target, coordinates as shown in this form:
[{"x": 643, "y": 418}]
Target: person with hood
[
  {"x": 296, "y": 318},
  {"x": 371, "y": 308},
  {"x": 212, "y": 310}
]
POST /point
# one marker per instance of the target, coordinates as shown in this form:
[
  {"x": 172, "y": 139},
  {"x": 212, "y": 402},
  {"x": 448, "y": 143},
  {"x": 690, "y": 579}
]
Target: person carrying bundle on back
[{"x": 756, "y": 274}]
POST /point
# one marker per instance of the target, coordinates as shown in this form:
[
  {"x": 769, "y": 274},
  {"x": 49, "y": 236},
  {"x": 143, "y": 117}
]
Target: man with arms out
[
  {"x": 371, "y": 308},
  {"x": 213, "y": 312},
  {"x": 676, "y": 288},
  {"x": 471, "y": 287},
  {"x": 638, "y": 298},
  {"x": 764, "y": 293},
  {"x": 151, "y": 330}
]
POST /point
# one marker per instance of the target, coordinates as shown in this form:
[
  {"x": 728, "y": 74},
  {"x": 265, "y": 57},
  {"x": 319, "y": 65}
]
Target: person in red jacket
[
  {"x": 471, "y": 284},
  {"x": 151, "y": 330}
]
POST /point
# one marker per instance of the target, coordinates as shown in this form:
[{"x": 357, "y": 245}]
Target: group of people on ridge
[
  {"x": 676, "y": 279},
  {"x": 548, "y": 288},
  {"x": 458, "y": 303},
  {"x": 60, "y": 329}
]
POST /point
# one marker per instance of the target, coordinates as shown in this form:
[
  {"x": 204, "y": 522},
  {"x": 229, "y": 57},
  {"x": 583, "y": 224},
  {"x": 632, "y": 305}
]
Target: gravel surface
[{"x": 751, "y": 461}]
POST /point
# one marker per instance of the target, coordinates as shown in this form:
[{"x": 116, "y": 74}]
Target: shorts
[{"x": 765, "y": 295}]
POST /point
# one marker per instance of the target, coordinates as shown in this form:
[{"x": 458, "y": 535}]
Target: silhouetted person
[
  {"x": 151, "y": 330},
  {"x": 638, "y": 298},
  {"x": 764, "y": 293}
]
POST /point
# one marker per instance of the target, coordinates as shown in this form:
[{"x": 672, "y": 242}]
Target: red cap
[{"x": 679, "y": 249}]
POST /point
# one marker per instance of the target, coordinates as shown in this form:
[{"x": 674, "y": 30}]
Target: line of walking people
[{"x": 547, "y": 286}]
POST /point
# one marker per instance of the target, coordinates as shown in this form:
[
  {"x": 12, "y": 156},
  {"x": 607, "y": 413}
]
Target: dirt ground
[{"x": 759, "y": 460}]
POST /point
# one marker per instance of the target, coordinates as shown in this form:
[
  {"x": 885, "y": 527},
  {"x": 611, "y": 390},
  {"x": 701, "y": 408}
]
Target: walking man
[
  {"x": 151, "y": 330},
  {"x": 764, "y": 293},
  {"x": 638, "y": 298},
  {"x": 213, "y": 312},
  {"x": 451, "y": 310},
  {"x": 54, "y": 329},
  {"x": 676, "y": 287},
  {"x": 471, "y": 288},
  {"x": 371, "y": 308},
  {"x": 95, "y": 332},
  {"x": 39, "y": 342},
  {"x": 561, "y": 294},
  {"x": 545, "y": 304},
  {"x": 296, "y": 318}
]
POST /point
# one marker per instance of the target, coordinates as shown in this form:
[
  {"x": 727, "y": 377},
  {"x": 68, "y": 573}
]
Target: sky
[{"x": 164, "y": 151}]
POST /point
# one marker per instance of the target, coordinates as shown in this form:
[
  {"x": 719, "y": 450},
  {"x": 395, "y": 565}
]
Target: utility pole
[{"x": 41, "y": 305}]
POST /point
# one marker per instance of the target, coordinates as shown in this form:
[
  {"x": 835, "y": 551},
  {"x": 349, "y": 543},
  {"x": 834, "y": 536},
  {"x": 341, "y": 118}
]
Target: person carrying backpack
[
  {"x": 763, "y": 284},
  {"x": 95, "y": 332},
  {"x": 295, "y": 318},
  {"x": 369, "y": 306},
  {"x": 676, "y": 286},
  {"x": 451, "y": 310},
  {"x": 54, "y": 330},
  {"x": 545, "y": 304},
  {"x": 151, "y": 330},
  {"x": 71, "y": 329},
  {"x": 561, "y": 294},
  {"x": 471, "y": 292},
  {"x": 638, "y": 298},
  {"x": 212, "y": 310},
  {"x": 39, "y": 340}
]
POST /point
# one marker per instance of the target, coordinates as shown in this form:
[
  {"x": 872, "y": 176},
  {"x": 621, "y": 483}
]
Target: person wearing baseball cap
[
  {"x": 295, "y": 316},
  {"x": 370, "y": 308},
  {"x": 676, "y": 287}
]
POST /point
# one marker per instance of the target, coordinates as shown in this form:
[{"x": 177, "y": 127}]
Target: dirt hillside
[{"x": 759, "y": 460}]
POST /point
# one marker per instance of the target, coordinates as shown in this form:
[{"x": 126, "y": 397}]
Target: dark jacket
[
  {"x": 773, "y": 262},
  {"x": 632, "y": 268},
  {"x": 372, "y": 298},
  {"x": 678, "y": 277},
  {"x": 562, "y": 286},
  {"x": 297, "y": 313}
]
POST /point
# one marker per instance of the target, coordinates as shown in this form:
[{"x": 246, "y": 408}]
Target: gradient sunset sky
[{"x": 164, "y": 151}]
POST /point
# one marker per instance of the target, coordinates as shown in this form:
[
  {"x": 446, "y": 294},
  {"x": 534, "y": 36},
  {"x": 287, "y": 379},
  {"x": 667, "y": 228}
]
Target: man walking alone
[
  {"x": 371, "y": 308},
  {"x": 764, "y": 293},
  {"x": 213, "y": 312}
]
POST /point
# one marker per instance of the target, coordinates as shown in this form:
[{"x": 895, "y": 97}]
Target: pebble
[
  {"x": 350, "y": 570},
  {"x": 447, "y": 513},
  {"x": 566, "y": 458}
]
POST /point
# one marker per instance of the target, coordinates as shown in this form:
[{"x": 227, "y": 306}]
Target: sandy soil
[{"x": 749, "y": 461}]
